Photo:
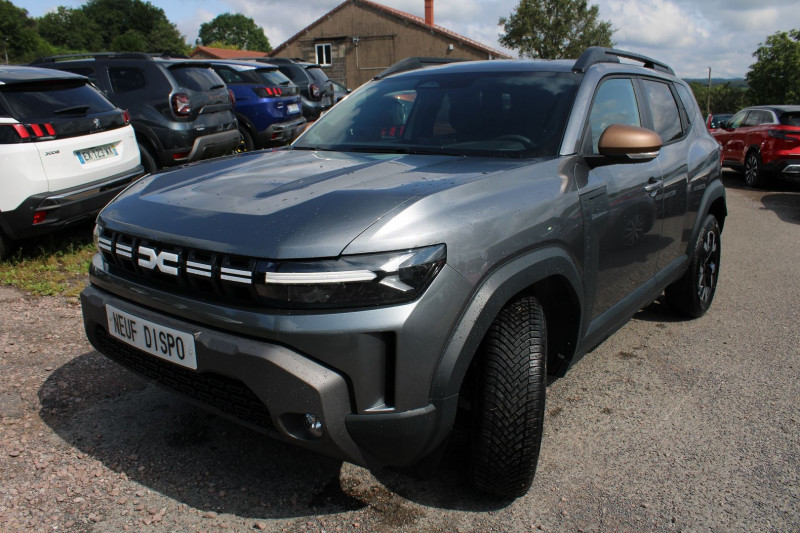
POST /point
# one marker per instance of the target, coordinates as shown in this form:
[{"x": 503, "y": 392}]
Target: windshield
[{"x": 494, "y": 114}]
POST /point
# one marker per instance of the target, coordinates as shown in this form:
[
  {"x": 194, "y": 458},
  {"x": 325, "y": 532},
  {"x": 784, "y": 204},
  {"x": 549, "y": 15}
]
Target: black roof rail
[
  {"x": 87, "y": 55},
  {"x": 598, "y": 54},
  {"x": 416, "y": 62}
]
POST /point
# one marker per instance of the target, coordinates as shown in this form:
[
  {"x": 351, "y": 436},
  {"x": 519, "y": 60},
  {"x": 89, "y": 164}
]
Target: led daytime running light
[{"x": 305, "y": 278}]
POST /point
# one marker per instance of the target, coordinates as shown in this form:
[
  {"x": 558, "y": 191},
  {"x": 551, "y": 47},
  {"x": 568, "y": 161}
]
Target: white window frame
[{"x": 320, "y": 50}]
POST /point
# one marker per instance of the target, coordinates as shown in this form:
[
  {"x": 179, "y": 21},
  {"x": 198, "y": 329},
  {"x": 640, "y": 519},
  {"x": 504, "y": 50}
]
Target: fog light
[
  {"x": 39, "y": 216},
  {"x": 313, "y": 425}
]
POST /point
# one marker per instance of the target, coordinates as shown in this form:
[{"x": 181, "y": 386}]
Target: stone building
[{"x": 358, "y": 39}]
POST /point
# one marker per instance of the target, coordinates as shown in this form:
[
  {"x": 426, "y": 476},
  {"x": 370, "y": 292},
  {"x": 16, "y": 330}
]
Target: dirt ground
[{"x": 669, "y": 425}]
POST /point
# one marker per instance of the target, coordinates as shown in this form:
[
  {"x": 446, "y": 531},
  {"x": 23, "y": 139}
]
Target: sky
[{"x": 688, "y": 35}]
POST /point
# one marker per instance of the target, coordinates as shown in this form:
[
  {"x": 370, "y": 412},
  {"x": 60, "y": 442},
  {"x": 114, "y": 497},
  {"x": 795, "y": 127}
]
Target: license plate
[
  {"x": 97, "y": 153},
  {"x": 293, "y": 108},
  {"x": 167, "y": 343}
]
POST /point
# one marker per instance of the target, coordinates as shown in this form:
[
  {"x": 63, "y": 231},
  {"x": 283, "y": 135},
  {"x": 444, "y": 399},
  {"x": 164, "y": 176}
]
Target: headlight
[{"x": 351, "y": 281}]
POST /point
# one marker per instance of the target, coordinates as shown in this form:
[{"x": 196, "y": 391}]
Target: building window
[{"x": 324, "y": 54}]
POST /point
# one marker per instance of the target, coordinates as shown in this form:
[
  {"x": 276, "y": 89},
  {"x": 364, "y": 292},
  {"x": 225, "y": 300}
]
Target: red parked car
[{"x": 763, "y": 141}]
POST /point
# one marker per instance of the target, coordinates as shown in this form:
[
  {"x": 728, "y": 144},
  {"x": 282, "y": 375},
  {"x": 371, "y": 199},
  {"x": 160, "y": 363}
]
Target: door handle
[{"x": 653, "y": 184}]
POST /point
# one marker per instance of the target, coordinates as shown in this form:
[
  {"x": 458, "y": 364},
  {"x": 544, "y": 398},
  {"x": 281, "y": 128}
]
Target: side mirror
[{"x": 629, "y": 143}]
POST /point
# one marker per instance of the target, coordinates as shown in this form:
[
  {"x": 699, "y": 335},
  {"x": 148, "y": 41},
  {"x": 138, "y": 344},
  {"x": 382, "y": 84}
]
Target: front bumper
[
  {"x": 270, "y": 385},
  {"x": 64, "y": 208}
]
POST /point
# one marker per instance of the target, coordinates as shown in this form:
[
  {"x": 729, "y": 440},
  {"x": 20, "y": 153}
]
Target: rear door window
[{"x": 126, "y": 79}]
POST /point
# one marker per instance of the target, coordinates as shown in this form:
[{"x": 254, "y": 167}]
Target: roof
[
  {"x": 413, "y": 19},
  {"x": 225, "y": 53}
]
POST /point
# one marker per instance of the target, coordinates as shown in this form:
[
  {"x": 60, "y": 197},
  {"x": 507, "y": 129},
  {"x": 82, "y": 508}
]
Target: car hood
[{"x": 284, "y": 204}]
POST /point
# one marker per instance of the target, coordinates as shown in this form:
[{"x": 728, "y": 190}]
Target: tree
[
  {"x": 236, "y": 30},
  {"x": 554, "y": 29},
  {"x": 18, "y": 37},
  {"x": 775, "y": 76},
  {"x": 70, "y": 29},
  {"x": 151, "y": 28},
  {"x": 725, "y": 98}
]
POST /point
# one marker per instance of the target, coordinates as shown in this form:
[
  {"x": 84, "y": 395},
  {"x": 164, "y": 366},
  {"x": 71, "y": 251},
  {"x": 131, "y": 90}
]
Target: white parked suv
[{"x": 65, "y": 152}]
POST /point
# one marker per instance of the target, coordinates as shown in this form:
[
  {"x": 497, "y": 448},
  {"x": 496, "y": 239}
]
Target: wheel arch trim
[
  {"x": 514, "y": 277},
  {"x": 714, "y": 202}
]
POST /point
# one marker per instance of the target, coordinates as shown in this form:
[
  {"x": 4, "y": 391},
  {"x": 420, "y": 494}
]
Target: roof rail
[
  {"x": 100, "y": 55},
  {"x": 598, "y": 54}
]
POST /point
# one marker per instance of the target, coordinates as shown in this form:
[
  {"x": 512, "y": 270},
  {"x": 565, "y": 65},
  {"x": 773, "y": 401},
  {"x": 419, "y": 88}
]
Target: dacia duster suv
[
  {"x": 436, "y": 244},
  {"x": 180, "y": 109}
]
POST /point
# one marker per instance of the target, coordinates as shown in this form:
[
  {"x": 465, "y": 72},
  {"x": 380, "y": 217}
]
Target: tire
[
  {"x": 148, "y": 161},
  {"x": 246, "y": 144},
  {"x": 509, "y": 401},
  {"x": 6, "y": 245},
  {"x": 692, "y": 294},
  {"x": 753, "y": 173}
]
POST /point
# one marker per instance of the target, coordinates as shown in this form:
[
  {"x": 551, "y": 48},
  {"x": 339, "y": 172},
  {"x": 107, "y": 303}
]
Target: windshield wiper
[{"x": 75, "y": 110}]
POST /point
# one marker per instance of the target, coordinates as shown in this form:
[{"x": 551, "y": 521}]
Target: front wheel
[
  {"x": 693, "y": 293},
  {"x": 509, "y": 400}
]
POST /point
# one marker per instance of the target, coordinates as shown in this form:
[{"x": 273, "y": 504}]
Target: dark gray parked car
[{"x": 436, "y": 244}]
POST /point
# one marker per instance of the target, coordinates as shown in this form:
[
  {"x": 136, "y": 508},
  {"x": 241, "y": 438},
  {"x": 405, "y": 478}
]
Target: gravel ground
[{"x": 668, "y": 426}]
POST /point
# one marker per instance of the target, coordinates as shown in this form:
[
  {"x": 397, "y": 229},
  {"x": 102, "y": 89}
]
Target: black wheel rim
[
  {"x": 751, "y": 169},
  {"x": 709, "y": 266}
]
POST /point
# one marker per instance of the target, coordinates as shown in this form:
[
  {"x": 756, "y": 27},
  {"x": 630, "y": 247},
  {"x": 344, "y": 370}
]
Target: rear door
[
  {"x": 666, "y": 119},
  {"x": 621, "y": 206}
]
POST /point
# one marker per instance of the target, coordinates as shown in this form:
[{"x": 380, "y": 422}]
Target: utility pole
[{"x": 708, "y": 101}]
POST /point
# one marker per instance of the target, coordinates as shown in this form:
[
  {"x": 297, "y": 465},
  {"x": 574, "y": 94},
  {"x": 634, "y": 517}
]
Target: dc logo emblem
[
  {"x": 96, "y": 123},
  {"x": 151, "y": 260}
]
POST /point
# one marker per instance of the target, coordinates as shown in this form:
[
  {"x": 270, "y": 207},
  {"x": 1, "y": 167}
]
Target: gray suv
[{"x": 435, "y": 245}]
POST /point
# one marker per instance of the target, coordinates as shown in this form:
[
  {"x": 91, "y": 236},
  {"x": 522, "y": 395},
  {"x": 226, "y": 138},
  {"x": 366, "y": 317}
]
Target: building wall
[{"x": 365, "y": 40}]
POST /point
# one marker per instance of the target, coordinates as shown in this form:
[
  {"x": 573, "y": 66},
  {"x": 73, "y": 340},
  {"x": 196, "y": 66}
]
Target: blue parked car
[{"x": 268, "y": 104}]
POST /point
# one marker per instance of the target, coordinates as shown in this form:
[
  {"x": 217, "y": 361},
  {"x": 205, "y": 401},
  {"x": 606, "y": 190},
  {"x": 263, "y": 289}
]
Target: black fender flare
[
  {"x": 512, "y": 278},
  {"x": 714, "y": 191},
  {"x": 145, "y": 136}
]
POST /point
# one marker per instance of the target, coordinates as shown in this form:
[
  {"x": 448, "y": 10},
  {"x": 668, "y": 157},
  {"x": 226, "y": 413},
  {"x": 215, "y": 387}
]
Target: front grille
[
  {"x": 230, "y": 396},
  {"x": 179, "y": 269}
]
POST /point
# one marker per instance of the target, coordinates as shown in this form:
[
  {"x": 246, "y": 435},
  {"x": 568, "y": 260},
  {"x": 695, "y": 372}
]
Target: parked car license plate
[
  {"x": 293, "y": 108},
  {"x": 167, "y": 343},
  {"x": 95, "y": 154}
]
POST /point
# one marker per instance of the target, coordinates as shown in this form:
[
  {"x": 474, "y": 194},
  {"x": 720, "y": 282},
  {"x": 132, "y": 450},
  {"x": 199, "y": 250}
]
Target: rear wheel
[
  {"x": 509, "y": 400},
  {"x": 753, "y": 173},
  {"x": 246, "y": 144},
  {"x": 148, "y": 161},
  {"x": 693, "y": 293},
  {"x": 6, "y": 246}
]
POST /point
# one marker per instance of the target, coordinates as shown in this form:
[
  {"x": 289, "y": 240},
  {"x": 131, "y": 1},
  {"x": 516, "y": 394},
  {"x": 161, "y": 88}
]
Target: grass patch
[{"x": 57, "y": 264}]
